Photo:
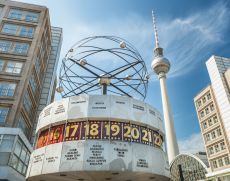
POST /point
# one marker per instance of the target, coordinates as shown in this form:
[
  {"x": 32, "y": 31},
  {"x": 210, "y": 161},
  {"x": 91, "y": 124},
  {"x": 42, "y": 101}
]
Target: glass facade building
[{"x": 188, "y": 167}]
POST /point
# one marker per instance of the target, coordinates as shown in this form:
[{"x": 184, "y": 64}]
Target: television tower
[{"x": 161, "y": 66}]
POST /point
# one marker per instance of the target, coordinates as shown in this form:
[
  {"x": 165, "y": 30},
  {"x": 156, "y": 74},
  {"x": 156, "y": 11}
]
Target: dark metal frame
[{"x": 75, "y": 84}]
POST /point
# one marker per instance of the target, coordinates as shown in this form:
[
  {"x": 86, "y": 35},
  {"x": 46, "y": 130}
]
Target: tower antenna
[{"x": 155, "y": 30}]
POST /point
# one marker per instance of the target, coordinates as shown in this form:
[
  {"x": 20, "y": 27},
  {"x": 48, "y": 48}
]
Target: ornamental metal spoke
[{"x": 93, "y": 59}]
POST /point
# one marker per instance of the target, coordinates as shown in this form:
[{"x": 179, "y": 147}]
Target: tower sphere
[{"x": 160, "y": 64}]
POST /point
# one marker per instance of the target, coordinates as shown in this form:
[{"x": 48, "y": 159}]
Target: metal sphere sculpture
[{"x": 106, "y": 63}]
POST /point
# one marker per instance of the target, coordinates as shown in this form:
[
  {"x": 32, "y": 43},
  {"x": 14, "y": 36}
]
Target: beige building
[
  {"x": 212, "y": 106},
  {"x": 27, "y": 60}
]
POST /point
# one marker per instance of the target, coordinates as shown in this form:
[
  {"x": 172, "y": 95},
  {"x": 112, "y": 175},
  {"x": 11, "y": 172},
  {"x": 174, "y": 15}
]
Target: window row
[
  {"x": 220, "y": 162},
  {"x": 204, "y": 99},
  {"x": 12, "y": 67},
  {"x": 23, "y": 15},
  {"x": 207, "y": 110},
  {"x": 7, "y": 89},
  {"x": 14, "y": 47},
  {"x": 18, "y": 30},
  {"x": 216, "y": 148},
  {"x": 213, "y": 135},
  {"x": 211, "y": 121}
]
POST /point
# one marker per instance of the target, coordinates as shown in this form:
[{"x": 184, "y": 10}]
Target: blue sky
[{"x": 189, "y": 31}]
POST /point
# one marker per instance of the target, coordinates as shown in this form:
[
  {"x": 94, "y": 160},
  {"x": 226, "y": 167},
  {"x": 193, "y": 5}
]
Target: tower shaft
[
  {"x": 161, "y": 67},
  {"x": 171, "y": 141}
]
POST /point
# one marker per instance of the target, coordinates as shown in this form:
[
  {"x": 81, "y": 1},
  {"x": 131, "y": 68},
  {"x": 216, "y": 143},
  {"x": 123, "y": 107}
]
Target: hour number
[
  {"x": 135, "y": 133},
  {"x": 94, "y": 129},
  {"x": 115, "y": 130},
  {"x": 144, "y": 135},
  {"x": 72, "y": 129},
  {"x": 127, "y": 131}
]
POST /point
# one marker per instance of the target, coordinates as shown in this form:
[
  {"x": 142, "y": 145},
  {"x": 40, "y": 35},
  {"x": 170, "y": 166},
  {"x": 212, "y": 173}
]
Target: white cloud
[
  {"x": 186, "y": 40},
  {"x": 192, "y": 144}
]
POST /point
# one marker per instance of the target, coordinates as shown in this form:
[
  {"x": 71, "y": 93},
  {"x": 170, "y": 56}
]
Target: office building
[
  {"x": 25, "y": 45},
  {"x": 213, "y": 111}
]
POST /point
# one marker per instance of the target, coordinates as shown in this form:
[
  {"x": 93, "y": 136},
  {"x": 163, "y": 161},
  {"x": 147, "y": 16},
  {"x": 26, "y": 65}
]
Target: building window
[
  {"x": 15, "y": 14},
  {"x": 14, "y": 47},
  {"x": 208, "y": 137},
  {"x": 6, "y": 145},
  {"x": 215, "y": 119},
  {"x": 7, "y": 89},
  {"x": 204, "y": 99},
  {"x": 3, "y": 114},
  {"x": 199, "y": 103},
  {"x": 207, "y": 110},
  {"x": 210, "y": 122},
  {"x": 12, "y": 29},
  {"x": 222, "y": 146},
  {"x": 209, "y": 96},
  {"x": 31, "y": 16},
  {"x": 42, "y": 73},
  {"x": 205, "y": 125},
  {"x": 5, "y": 46},
  {"x": 202, "y": 114},
  {"x": 213, "y": 135},
  {"x": 212, "y": 107},
  {"x": 217, "y": 149},
  {"x": 33, "y": 84},
  {"x": 219, "y": 133},
  {"x": 211, "y": 150},
  {"x": 23, "y": 125},
  {"x": 226, "y": 160},
  {"x": 214, "y": 164},
  {"x": 21, "y": 48},
  {"x": 23, "y": 15},
  {"x": 6, "y": 142},
  {"x": 220, "y": 162},
  {"x": 37, "y": 65},
  {"x": 2, "y": 62},
  {"x": 13, "y": 67},
  {"x": 27, "y": 103},
  {"x": 26, "y": 32},
  {"x": 20, "y": 158}
]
